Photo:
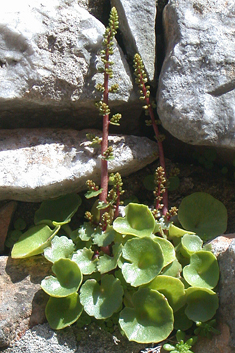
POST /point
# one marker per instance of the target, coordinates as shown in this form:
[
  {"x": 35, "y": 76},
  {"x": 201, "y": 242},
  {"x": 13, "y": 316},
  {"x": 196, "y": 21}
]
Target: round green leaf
[
  {"x": 190, "y": 244},
  {"x": 69, "y": 279},
  {"x": 33, "y": 242},
  {"x": 172, "y": 288},
  {"x": 203, "y": 270},
  {"x": 61, "y": 248},
  {"x": 151, "y": 318},
  {"x": 168, "y": 250},
  {"x": 62, "y": 312},
  {"x": 203, "y": 214},
  {"x": 101, "y": 301},
  {"x": 58, "y": 211},
  {"x": 145, "y": 261},
  {"x": 83, "y": 259},
  {"x": 202, "y": 304},
  {"x": 138, "y": 221}
]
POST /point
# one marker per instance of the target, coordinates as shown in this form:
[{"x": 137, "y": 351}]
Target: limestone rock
[
  {"x": 6, "y": 213},
  {"x": 224, "y": 248},
  {"x": 48, "y": 67},
  {"x": 196, "y": 94},
  {"x": 37, "y": 164},
  {"x": 73, "y": 340},
  {"x": 137, "y": 24},
  {"x": 22, "y": 300}
]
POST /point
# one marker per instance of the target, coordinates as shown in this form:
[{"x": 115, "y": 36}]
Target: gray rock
[
  {"x": 37, "y": 164},
  {"x": 42, "y": 339},
  {"x": 137, "y": 24},
  {"x": 48, "y": 67},
  {"x": 224, "y": 248},
  {"x": 196, "y": 95}
]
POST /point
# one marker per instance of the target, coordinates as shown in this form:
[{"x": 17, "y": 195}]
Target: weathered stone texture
[
  {"x": 37, "y": 164},
  {"x": 48, "y": 67},
  {"x": 196, "y": 93},
  {"x": 137, "y": 24},
  {"x": 22, "y": 300}
]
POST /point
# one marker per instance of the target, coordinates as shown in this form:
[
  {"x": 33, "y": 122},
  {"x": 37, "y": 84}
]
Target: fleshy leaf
[
  {"x": 167, "y": 250},
  {"x": 61, "y": 248},
  {"x": 105, "y": 238},
  {"x": 202, "y": 304},
  {"x": 203, "y": 214},
  {"x": 83, "y": 259},
  {"x": 190, "y": 244},
  {"x": 145, "y": 261},
  {"x": 101, "y": 301},
  {"x": 151, "y": 318},
  {"x": 33, "y": 242},
  {"x": 69, "y": 279},
  {"x": 173, "y": 269},
  {"x": 138, "y": 221},
  {"x": 108, "y": 263},
  {"x": 172, "y": 288},
  {"x": 203, "y": 270},
  {"x": 58, "y": 211},
  {"x": 177, "y": 232},
  {"x": 63, "y": 312}
]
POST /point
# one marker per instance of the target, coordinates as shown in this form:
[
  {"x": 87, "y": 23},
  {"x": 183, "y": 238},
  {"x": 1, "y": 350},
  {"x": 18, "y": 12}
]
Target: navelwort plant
[{"x": 138, "y": 269}]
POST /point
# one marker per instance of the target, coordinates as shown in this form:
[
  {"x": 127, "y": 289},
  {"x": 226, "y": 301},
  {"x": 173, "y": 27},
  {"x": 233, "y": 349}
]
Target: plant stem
[
  {"x": 160, "y": 149},
  {"x": 141, "y": 79}
]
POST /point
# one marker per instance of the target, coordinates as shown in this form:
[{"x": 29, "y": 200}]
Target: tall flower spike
[
  {"x": 106, "y": 151},
  {"x": 141, "y": 79}
]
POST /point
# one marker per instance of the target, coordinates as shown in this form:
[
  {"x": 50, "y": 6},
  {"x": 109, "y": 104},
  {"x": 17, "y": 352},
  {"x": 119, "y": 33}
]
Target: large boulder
[
  {"x": 37, "y": 164},
  {"x": 48, "y": 67},
  {"x": 196, "y": 93}
]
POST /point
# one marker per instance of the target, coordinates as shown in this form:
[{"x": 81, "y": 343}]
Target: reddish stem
[
  {"x": 160, "y": 147},
  {"x": 104, "y": 144}
]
